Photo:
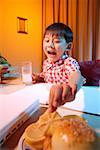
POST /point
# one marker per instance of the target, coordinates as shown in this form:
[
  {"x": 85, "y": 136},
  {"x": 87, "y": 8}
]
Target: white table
[{"x": 18, "y": 102}]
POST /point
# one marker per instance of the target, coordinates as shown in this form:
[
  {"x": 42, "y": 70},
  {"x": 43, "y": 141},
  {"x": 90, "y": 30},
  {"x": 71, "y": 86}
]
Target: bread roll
[
  {"x": 73, "y": 134},
  {"x": 53, "y": 132}
]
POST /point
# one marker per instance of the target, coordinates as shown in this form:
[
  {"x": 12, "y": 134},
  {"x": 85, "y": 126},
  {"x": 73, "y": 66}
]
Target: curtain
[{"x": 83, "y": 16}]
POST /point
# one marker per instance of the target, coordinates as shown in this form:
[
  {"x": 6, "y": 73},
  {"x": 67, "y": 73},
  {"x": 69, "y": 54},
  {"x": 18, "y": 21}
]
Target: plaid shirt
[{"x": 59, "y": 72}]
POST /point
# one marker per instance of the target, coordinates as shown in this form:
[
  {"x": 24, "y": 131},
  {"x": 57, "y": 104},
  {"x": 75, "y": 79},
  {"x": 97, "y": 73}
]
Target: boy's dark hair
[{"x": 60, "y": 29}]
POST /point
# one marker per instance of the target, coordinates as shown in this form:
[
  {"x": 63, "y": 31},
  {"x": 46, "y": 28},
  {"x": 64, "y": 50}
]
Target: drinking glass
[{"x": 27, "y": 72}]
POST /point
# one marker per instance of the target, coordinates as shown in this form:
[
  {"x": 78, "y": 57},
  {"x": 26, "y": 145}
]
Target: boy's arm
[{"x": 75, "y": 79}]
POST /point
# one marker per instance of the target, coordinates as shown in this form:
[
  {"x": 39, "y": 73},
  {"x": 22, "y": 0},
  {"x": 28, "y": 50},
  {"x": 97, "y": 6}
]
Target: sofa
[{"x": 91, "y": 71}]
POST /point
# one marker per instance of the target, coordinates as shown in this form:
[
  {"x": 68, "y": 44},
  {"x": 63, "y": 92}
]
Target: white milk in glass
[{"x": 27, "y": 72}]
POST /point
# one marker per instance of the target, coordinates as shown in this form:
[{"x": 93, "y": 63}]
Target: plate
[{"x": 22, "y": 145}]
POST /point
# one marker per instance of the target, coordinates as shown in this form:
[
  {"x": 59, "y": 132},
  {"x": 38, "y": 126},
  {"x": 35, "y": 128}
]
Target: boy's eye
[
  {"x": 46, "y": 40},
  {"x": 56, "y": 41}
]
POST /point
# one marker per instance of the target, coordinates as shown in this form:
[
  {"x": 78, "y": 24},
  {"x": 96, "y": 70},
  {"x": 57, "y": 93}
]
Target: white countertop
[{"x": 87, "y": 100}]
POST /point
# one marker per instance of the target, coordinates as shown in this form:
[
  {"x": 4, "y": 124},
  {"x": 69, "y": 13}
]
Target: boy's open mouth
[{"x": 51, "y": 53}]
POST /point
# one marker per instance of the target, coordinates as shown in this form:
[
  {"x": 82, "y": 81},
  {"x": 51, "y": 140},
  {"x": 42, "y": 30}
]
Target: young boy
[{"x": 59, "y": 68}]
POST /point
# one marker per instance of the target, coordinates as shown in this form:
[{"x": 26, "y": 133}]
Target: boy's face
[{"x": 54, "y": 46}]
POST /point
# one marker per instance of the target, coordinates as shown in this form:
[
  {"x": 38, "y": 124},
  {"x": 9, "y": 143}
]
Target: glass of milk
[{"x": 27, "y": 72}]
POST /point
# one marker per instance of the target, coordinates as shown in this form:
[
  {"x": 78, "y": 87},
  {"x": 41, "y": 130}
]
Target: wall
[
  {"x": 1, "y": 28},
  {"x": 18, "y": 47}
]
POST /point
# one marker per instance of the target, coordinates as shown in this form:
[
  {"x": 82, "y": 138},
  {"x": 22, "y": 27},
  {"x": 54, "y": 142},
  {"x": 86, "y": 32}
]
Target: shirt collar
[{"x": 59, "y": 62}]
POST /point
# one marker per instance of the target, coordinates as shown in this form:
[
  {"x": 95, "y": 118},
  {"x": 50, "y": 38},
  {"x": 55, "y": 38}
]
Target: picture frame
[{"x": 22, "y": 25}]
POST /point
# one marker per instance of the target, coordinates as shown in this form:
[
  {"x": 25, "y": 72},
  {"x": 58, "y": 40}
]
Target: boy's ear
[{"x": 69, "y": 46}]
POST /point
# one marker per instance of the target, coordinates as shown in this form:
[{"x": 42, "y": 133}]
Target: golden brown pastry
[
  {"x": 73, "y": 133},
  {"x": 53, "y": 132}
]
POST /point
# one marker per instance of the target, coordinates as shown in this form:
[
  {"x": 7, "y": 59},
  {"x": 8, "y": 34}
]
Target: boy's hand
[
  {"x": 36, "y": 78},
  {"x": 60, "y": 94}
]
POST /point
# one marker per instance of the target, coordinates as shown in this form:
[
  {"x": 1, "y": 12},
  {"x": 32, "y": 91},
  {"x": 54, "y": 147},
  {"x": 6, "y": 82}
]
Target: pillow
[{"x": 91, "y": 71}]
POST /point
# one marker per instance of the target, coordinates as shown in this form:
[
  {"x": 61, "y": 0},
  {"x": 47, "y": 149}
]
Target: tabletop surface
[{"x": 16, "y": 98}]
